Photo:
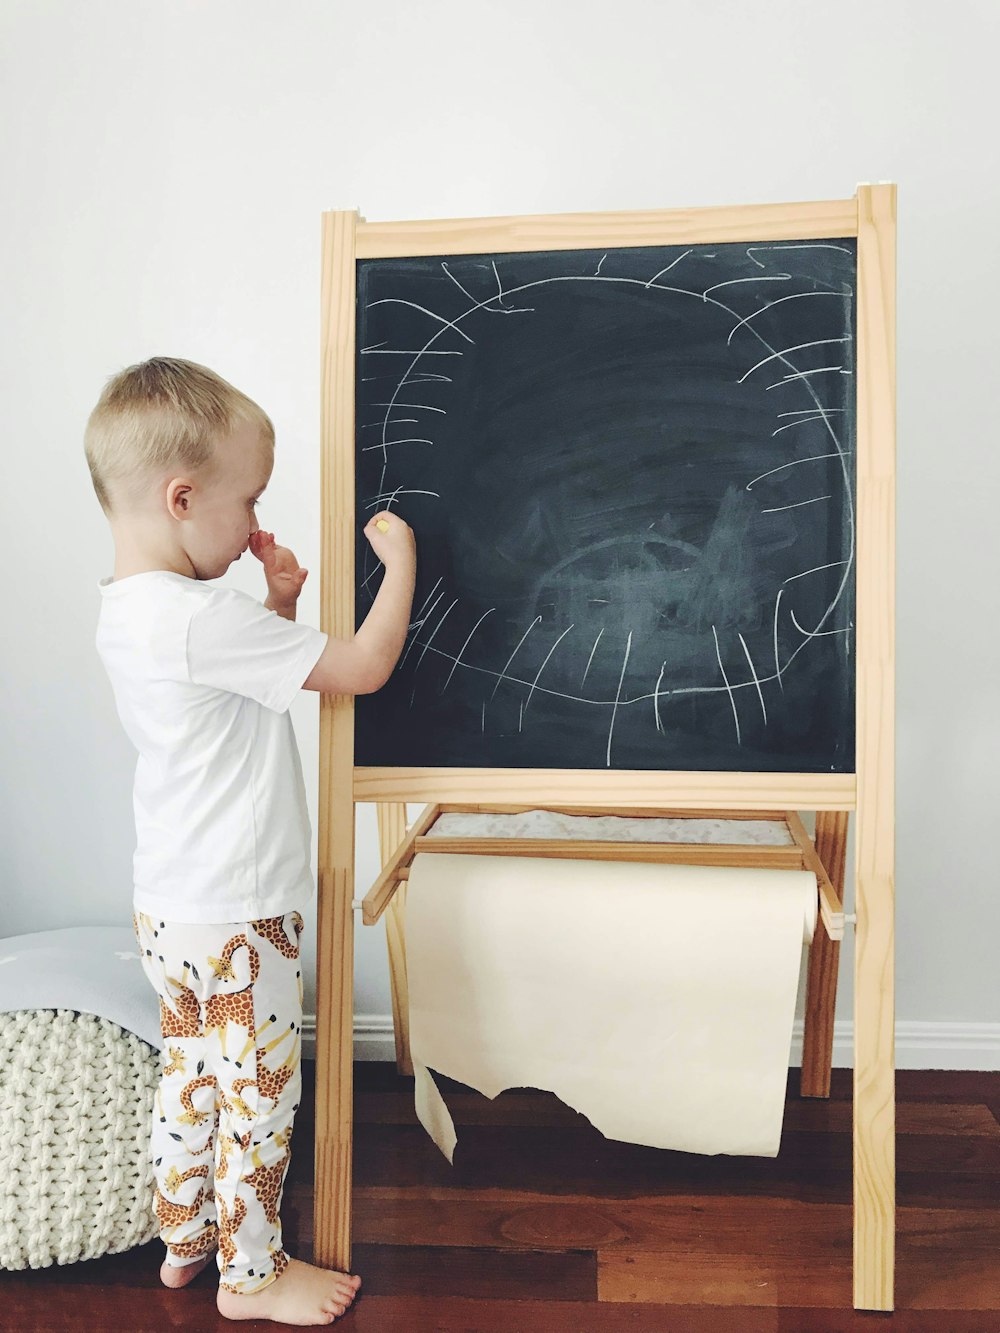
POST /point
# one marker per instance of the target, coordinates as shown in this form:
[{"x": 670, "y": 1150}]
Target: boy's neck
[{"x": 136, "y": 556}]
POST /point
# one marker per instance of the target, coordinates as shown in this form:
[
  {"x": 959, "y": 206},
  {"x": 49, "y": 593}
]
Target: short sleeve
[{"x": 235, "y": 643}]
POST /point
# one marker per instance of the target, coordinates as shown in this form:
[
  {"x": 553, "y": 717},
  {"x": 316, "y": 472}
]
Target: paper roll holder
[{"x": 798, "y": 853}]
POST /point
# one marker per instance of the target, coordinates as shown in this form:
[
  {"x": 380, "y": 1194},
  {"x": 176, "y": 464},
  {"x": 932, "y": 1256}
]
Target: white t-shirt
[{"x": 203, "y": 677}]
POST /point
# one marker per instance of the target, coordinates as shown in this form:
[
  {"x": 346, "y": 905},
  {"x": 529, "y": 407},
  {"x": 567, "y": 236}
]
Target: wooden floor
[{"x": 544, "y": 1226}]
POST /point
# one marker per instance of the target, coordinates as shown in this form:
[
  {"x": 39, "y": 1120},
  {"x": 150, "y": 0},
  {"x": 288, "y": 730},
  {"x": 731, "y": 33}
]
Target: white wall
[{"x": 164, "y": 167}]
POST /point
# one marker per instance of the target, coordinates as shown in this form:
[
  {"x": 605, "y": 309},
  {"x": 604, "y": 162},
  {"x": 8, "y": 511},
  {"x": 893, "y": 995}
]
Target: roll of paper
[{"x": 657, "y": 1000}]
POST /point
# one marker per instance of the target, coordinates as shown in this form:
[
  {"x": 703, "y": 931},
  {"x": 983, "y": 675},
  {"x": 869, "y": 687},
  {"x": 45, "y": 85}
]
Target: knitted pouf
[{"x": 76, "y": 1098}]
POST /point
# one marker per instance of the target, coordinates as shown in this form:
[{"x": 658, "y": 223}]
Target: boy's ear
[{"x": 179, "y": 497}]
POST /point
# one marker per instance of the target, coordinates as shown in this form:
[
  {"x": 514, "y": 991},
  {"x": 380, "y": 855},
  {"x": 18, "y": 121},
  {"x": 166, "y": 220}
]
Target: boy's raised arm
[{"x": 363, "y": 664}]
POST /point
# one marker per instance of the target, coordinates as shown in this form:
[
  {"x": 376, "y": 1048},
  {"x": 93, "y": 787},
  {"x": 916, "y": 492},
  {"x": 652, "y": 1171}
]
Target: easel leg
[
  {"x": 335, "y": 1049},
  {"x": 392, "y": 831},
  {"x": 824, "y": 960},
  {"x": 874, "y": 1099}
]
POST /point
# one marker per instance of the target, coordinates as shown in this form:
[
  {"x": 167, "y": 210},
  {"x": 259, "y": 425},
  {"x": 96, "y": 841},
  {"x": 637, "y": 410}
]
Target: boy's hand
[
  {"x": 393, "y": 542},
  {"x": 282, "y": 571}
]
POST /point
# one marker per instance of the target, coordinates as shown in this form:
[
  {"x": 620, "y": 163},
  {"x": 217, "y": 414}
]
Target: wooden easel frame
[{"x": 870, "y": 792}]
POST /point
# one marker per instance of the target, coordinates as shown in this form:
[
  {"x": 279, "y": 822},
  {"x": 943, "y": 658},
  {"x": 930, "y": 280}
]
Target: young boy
[{"x": 203, "y": 677}]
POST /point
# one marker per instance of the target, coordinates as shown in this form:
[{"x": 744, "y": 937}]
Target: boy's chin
[{"x": 206, "y": 573}]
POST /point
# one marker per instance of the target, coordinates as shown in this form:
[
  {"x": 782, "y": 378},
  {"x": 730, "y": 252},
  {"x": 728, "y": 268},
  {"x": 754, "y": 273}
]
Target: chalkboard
[{"x": 631, "y": 476}]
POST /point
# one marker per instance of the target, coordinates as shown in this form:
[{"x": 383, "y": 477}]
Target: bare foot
[
  {"x": 171, "y": 1276},
  {"x": 302, "y": 1295}
]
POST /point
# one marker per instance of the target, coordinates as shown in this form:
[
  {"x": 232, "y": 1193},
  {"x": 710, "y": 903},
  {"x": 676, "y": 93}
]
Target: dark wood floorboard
[{"x": 544, "y": 1226}]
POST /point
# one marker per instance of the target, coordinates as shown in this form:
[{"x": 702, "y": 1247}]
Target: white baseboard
[{"x": 918, "y": 1045}]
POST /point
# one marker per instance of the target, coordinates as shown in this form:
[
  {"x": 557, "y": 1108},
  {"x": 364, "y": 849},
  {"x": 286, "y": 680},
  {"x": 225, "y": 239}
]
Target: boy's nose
[{"x": 254, "y": 525}]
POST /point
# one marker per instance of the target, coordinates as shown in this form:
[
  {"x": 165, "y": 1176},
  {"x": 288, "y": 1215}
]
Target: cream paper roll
[{"x": 657, "y": 1000}]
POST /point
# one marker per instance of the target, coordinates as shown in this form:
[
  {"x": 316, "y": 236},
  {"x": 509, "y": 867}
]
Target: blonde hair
[{"x": 158, "y": 414}]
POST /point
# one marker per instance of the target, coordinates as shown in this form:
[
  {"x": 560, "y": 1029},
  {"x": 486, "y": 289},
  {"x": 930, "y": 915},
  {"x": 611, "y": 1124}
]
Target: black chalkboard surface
[{"x": 631, "y": 476}]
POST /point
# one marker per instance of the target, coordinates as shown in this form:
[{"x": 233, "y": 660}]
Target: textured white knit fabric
[{"x": 76, "y": 1097}]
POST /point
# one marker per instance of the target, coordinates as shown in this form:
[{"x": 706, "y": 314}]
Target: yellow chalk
[{"x": 382, "y": 525}]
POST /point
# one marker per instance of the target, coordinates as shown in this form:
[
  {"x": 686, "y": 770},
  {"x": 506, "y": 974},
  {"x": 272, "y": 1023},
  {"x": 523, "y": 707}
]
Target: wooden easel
[{"x": 870, "y": 216}]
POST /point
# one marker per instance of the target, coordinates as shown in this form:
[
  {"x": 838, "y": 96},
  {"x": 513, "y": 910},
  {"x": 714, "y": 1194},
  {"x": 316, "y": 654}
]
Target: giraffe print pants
[{"x": 231, "y": 1080}]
